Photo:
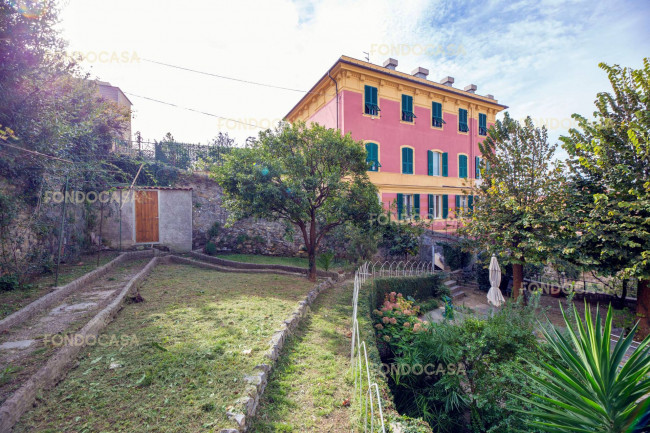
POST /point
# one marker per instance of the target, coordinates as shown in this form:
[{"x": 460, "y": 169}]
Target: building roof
[
  {"x": 345, "y": 60},
  {"x": 107, "y": 84}
]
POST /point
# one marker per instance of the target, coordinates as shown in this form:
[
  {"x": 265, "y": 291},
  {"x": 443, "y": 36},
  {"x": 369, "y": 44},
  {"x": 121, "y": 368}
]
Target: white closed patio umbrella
[{"x": 494, "y": 295}]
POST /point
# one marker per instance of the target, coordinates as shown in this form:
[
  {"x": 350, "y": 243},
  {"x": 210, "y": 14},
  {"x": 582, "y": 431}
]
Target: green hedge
[{"x": 421, "y": 288}]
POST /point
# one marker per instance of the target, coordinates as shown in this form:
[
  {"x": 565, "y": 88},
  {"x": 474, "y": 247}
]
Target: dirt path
[
  {"x": 26, "y": 347},
  {"x": 307, "y": 389}
]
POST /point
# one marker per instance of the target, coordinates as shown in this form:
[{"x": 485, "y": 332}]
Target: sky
[{"x": 540, "y": 58}]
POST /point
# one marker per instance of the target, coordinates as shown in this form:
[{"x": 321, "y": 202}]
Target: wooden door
[{"x": 146, "y": 216}]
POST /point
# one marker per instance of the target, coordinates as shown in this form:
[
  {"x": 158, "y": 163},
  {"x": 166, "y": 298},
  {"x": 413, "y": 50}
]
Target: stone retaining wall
[
  {"x": 245, "y": 408},
  {"x": 59, "y": 293},
  {"x": 243, "y": 265}
]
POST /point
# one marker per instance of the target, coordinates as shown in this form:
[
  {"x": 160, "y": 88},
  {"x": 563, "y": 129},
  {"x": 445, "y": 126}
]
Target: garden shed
[{"x": 149, "y": 216}]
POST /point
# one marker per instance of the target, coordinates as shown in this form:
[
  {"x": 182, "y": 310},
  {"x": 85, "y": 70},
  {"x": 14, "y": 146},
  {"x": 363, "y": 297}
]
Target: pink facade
[{"x": 351, "y": 87}]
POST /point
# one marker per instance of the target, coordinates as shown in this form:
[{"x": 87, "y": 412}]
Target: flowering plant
[{"x": 397, "y": 320}]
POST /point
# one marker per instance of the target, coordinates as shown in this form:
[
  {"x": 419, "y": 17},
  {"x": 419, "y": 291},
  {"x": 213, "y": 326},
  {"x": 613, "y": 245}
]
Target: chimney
[
  {"x": 489, "y": 96},
  {"x": 448, "y": 81},
  {"x": 420, "y": 72},
  {"x": 471, "y": 88},
  {"x": 390, "y": 63}
]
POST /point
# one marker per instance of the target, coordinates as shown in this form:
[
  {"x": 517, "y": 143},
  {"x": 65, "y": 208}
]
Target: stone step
[
  {"x": 457, "y": 292},
  {"x": 449, "y": 283}
]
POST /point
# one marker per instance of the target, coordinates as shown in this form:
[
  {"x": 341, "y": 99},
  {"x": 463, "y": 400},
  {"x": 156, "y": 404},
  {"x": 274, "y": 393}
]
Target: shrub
[
  {"x": 325, "y": 260},
  {"x": 214, "y": 230},
  {"x": 9, "y": 282},
  {"x": 455, "y": 257},
  {"x": 421, "y": 288},
  {"x": 397, "y": 320},
  {"x": 591, "y": 391},
  {"x": 492, "y": 353},
  {"x": 211, "y": 248}
]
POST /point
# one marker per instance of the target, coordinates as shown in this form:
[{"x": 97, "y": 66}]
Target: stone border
[
  {"x": 243, "y": 265},
  {"x": 57, "y": 365},
  {"x": 201, "y": 264},
  {"x": 61, "y": 292},
  {"x": 245, "y": 408}
]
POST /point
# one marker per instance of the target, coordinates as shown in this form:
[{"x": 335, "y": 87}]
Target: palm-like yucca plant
[{"x": 591, "y": 391}]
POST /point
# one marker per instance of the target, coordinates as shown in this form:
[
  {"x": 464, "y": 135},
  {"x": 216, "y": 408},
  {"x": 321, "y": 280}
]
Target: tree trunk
[
  {"x": 311, "y": 250},
  {"x": 643, "y": 305},
  {"x": 517, "y": 279},
  {"x": 620, "y": 302},
  {"x": 311, "y": 247}
]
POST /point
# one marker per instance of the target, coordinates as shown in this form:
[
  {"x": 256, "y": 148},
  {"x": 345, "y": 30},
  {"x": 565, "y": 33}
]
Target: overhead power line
[
  {"x": 225, "y": 77},
  {"x": 194, "y": 110},
  {"x": 36, "y": 153}
]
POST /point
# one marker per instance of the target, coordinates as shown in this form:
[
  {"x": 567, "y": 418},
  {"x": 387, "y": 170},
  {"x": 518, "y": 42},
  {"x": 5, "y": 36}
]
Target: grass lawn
[
  {"x": 16, "y": 299},
  {"x": 185, "y": 358},
  {"x": 307, "y": 389}
]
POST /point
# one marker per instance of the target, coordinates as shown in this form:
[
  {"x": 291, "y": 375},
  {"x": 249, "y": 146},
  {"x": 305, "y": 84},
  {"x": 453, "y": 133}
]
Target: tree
[
  {"x": 516, "y": 207},
  {"x": 610, "y": 157},
  {"x": 589, "y": 390},
  {"x": 311, "y": 177}
]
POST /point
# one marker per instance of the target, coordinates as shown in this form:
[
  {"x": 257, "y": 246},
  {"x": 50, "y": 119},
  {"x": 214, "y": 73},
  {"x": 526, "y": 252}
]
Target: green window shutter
[
  {"x": 445, "y": 206},
  {"x": 470, "y": 202},
  {"x": 462, "y": 120},
  {"x": 430, "y": 162},
  {"x": 462, "y": 166},
  {"x": 445, "y": 171},
  {"x": 370, "y": 100},
  {"x": 436, "y": 115},
  {"x": 477, "y": 167},
  {"x": 372, "y": 156},
  {"x": 482, "y": 124},
  {"x": 430, "y": 215},
  {"x": 416, "y": 206},
  {"x": 457, "y": 203},
  {"x": 400, "y": 206},
  {"x": 407, "y": 160}
]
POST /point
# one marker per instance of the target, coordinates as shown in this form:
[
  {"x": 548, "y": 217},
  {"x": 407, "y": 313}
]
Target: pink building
[{"x": 421, "y": 136}]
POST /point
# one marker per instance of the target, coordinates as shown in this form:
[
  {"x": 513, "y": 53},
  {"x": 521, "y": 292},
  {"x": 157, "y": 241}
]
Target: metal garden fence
[{"x": 367, "y": 390}]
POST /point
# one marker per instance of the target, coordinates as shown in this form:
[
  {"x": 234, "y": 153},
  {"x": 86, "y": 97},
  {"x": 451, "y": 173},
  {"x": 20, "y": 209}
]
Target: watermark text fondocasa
[
  {"x": 78, "y": 197},
  {"x": 439, "y": 369},
  {"x": 79, "y": 340}
]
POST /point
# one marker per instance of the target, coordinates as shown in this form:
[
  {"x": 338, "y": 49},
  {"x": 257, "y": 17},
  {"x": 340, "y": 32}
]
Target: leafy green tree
[
  {"x": 312, "y": 177},
  {"x": 610, "y": 162},
  {"x": 517, "y": 205},
  {"x": 589, "y": 390}
]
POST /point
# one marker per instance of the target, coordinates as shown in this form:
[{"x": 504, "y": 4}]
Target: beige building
[{"x": 115, "y": 94}]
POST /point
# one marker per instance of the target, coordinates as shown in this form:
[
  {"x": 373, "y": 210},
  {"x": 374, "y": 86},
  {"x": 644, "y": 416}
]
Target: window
[
  {"x": 461, "y": 203},
  {"x": 462, "y": 166},
  {"x": 407, "y": 108},
  {"x": 408, "y": 206},
  {"x": 433, "y": 163},
  {"x": 435, "y": 206},
  {"x": 371, "y": 101},
  {"x": 436, "y": 115},
  {"x": 407, "y": 160},
  {"x": 477, "y": 164},
  {"x": 404, "y": 206},
  {"x": 372, "y": 156},
  {"x": 462, "y": 120},
  {"x": 482, "y": 124}
]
